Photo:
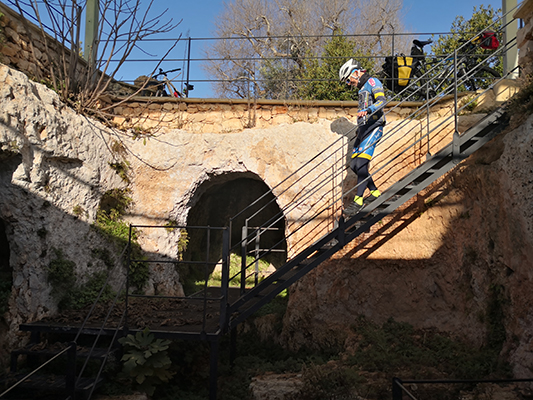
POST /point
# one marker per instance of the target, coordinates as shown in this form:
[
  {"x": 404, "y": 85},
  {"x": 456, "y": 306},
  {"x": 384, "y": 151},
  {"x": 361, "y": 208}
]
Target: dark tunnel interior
[{"x": 224, "y": 197}]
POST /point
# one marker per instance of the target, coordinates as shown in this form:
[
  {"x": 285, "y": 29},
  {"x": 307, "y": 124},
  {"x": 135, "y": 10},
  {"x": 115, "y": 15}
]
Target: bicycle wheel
[{"x": 483, "y": 78}]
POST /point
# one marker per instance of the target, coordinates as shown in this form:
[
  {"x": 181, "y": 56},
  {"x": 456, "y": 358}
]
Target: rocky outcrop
[{"x": 54, "y": 169}]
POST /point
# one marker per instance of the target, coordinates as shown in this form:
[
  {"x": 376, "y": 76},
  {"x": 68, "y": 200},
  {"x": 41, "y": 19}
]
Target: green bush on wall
[
  {"x": 110, "y": 222},
  {"x": 66, "y": 290}
]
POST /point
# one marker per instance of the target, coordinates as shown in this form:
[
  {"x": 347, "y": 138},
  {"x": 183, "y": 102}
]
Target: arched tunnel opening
[{"x": 216, "y": 202}]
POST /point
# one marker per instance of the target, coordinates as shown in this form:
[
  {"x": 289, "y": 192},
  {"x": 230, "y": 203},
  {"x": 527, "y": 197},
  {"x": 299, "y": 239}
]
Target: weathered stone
[
  {"x": 9, "y": 50},
  {"x": 505, "y": 89},
  {"x": 12, "y": 35},
  {"x": 279, "y": 110},
  {"x": 275, "y": 386}
]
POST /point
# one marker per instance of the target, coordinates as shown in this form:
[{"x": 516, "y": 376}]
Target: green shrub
[
  {"x": 146, "y": 361},
  {"x": 122, "y": 170},
  {"x": 69, "y": 294},
  {"x": 396, "y": 346},
  {"x": 87, "y": 293},
  {"x": 327, "y": 382},
  {"x": 110, "y": 222}
]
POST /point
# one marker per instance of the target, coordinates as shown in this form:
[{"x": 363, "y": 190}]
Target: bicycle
[
  {"x": 156, "y": 87},
  {"x": 413, "y": 77}
]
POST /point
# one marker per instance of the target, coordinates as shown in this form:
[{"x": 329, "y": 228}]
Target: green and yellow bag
[{"x": 405, "y": 67}]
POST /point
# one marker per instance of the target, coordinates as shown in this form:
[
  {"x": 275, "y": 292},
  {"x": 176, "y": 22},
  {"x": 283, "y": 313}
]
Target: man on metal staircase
[{"x": 370, "y": 121}]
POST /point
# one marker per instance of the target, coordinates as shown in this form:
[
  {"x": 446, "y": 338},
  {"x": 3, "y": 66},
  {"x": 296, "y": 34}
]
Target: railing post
[
  {"x": 456, "y": 144},
  {"x": 397, "y": 392},
  {"x": 70, "y": 378},
  {"x": 393, "y": 77},
  {"x": 225, "y": 281},
  {"x": 213, "y": 368},
  {"x": 128, "y": 267},
  {"x": 188, "y": 67},
  {"x": 206, "y": 277},
  {"x": 257, "y": 249},
  {"x": 341, "y": 237},
  {"x": 244, "y": 245},
  {"x": 428, "y": 154}
]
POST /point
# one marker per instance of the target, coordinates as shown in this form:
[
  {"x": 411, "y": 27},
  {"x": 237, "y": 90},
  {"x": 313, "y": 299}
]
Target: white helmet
[{"x": 347, "y": 69}]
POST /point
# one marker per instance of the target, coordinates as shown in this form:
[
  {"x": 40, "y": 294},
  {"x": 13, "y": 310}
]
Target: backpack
[
  {"x": 398, "y": 71},
  {"x": 487, "y": 40}
]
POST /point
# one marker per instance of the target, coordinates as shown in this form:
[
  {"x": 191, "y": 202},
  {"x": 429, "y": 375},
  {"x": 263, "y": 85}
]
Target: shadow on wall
[{"x": 222, "y": 197}]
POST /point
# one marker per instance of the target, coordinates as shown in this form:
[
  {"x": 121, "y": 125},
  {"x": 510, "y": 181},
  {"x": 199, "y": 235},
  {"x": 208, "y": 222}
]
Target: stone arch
[{"x": 223, "y": 196}]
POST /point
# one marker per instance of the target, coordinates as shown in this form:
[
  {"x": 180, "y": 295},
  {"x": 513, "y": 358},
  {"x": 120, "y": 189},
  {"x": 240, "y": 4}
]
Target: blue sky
[
  {"x": 437, "y": 15},
  {"x": 421, "y": 16}
]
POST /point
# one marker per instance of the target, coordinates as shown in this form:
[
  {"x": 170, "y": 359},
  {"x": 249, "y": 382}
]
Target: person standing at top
[{"x": 370, "y": 123}]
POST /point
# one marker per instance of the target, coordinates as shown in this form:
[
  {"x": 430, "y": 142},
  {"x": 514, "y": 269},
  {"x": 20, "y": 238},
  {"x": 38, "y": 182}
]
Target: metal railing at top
[
  {"x": 190, "y": 56},
  {"x": 313, "y": 196}
]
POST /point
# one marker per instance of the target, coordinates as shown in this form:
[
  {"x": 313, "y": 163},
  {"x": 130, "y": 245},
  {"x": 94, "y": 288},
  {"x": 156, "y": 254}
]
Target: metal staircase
[{"x": 347, "y": 230}]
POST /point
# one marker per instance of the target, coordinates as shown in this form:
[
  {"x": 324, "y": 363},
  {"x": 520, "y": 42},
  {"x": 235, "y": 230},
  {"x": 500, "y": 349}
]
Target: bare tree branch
[{"x": 278, "y": 35}]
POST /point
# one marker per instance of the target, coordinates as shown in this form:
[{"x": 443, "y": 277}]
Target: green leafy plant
[
  {"x": 70, "y": 295},
  {"x": 323, "y": 381},
  {"x": 183, "y": 242},
  {"x": 397, "y": 346},
  {"x": 464, "y": 29},
  {"x": 115, "y": 228},
  {"x": 122, "y": 169},
  {"x": 146, "y": 361},
  {"x": 78, "y": 210},
  {"x": 104, "y": 255},
  {"x": 110, "y": 222}
]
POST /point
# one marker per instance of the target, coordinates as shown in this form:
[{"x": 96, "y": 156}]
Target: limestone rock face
[
  {"x": 54, "y": 168},
  {"x": 274, "y": 386},
  {"x": 464, "y": 243}
]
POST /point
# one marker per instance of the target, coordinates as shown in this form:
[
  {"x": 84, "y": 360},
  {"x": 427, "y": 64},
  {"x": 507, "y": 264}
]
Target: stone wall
[
  {"x": 151, "y": 115},
  {"x": 25, "y": 48}
]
